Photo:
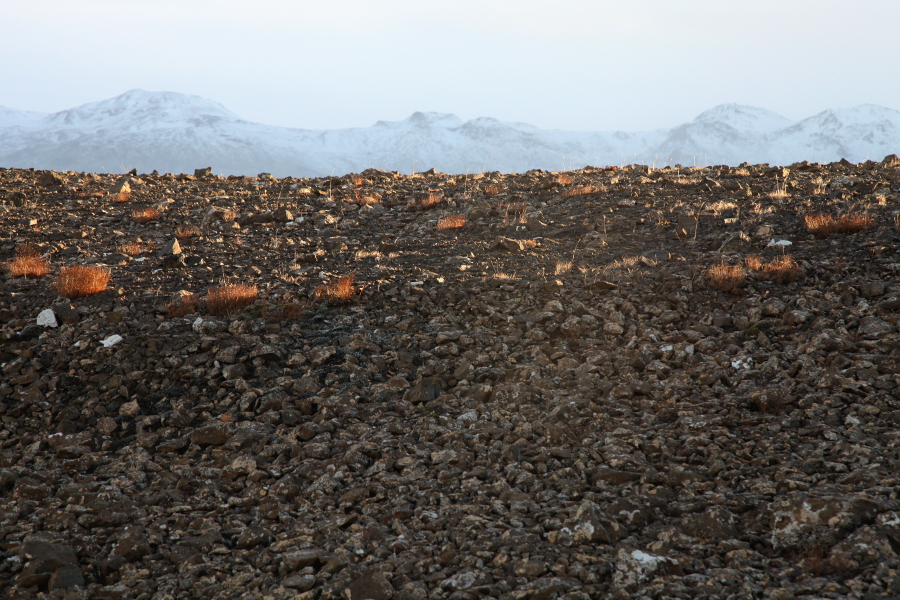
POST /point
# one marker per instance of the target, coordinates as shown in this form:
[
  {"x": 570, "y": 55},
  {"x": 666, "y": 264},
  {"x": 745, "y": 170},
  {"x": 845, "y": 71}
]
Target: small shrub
[
  {"x": 426, "y": 203},
  {"x": 187, "y": 231},
  {"x": 80, "y": 280},
  {"x": 145, "y": 215},
  {"x": 451, "y": 222},
  {"x": 725, "y": 278},
  {"x": 28, "y": 263},
  {"x": 780, "y": 270},
  {"x": 340, "y": 291},
  {"x": 230, "y": 298},
  {"x": 491, "y": 190},
  {"x": 822, "y": 225}
]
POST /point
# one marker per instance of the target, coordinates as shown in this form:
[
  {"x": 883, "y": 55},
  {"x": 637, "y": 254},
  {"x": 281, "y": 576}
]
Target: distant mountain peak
[{"x": 744, "y": 118}]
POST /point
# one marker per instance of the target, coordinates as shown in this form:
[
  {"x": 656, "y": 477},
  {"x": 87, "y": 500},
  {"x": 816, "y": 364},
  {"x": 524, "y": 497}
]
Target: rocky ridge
[{"x": 552, "y": 401}]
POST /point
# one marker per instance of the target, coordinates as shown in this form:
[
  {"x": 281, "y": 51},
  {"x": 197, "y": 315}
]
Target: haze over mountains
[{"x": 172, "y": 132}]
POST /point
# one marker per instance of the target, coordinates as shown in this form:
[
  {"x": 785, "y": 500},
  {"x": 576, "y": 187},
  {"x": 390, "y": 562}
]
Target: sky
[{"x": 589, "y": 65}]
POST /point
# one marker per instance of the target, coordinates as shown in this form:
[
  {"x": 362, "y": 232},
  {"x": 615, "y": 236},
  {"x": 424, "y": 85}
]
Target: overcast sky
[{"x": 563, "y": 64}]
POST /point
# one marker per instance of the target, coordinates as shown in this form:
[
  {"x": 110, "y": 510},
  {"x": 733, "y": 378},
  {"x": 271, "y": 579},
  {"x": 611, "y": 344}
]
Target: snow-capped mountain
[{"x": 177, "y": 133}]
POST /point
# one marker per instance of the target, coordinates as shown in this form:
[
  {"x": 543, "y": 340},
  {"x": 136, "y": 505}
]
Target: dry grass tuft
[
  {"x": 822, "y": 225},
  {"x": 136, "y": 248},
  {"x": 145, "y": 215},
  {"x": 187, "y": 231},
  {"x": 780, "y": 270},
  {"x": 451, "y": 222},
  {"x": 725, "y": 278},
  {"x": 366, "y": 199},
  {"x": 514, "y": 209},
  {"x": 580, "y": 190},
  {"x": 426, "y": 203},
  {"x": 340, "y": 291},
  {"x": 185, "y": 306},
  {"x": 79, "y": 281},
  {"x": 121, "y": 197},
  {"x": 229, "y": 298},
  {"x": 491, "y": 190},
  {"x": 563, "y": 267},
  {"x": 28, "y": 263}
]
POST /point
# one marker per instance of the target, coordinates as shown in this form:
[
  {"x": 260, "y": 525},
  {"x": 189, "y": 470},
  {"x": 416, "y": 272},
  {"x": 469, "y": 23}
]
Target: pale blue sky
[{"x": 567, "y": 64}]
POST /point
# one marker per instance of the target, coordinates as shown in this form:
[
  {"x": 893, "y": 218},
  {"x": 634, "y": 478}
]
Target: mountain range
[{"x": 172, "y": 132}]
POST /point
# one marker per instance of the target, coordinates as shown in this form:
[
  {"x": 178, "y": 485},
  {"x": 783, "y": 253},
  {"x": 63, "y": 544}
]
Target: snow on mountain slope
[{"x": 175, "y": 132}]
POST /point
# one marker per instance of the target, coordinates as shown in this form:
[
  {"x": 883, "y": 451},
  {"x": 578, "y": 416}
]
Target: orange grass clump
[
  {"x": 491, "y": 190},
  {"x": 366, "y": 199},
  {"x": 28, "y": 263},
  {"x": 451, "y": 222},
  {"x": 136, "y": 248},
  {"x": 780, "y": 270},
  {"x": 229, "y": 298},
  {"x": 340, "y": 291},
  {"x": 822, "y": 225},
  {"x": 145, "y": 215},
  {"x": 725, "y": 278},
  {"x": 187, "y": 231},
  {"x": 184, "y": 306},
  {"x": 80, "y": 280},
  {"x": 425, "y": 203},
  {"x": 580, "y": 190}
]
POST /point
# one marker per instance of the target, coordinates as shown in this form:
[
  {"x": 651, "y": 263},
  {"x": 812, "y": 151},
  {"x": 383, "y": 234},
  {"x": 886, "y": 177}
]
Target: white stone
[
  {"x": 47, "y": 318},
  {"x": 111, "y": 340}
]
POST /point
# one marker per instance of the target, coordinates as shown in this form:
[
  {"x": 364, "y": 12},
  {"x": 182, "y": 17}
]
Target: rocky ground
[{"x": 553, "y": 401}]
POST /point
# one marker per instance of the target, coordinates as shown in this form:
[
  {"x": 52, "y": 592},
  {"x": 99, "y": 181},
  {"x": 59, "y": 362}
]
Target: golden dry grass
[
  {"x": 229, "y": 298},
  {"x": 725, "y": 278},
  {"x": 428, "y": 202},
  {"x": 451, "y": 222},
  {"x": 136, "y": 248},
  {"x": 340, "y": 291},
  {"x": 580, "y": 190},
  {"x": 187, "y": 231},
  {"x": 366, "y": 199},
  {"x": 780, "y": 270},
  {"x": 563, "y": 267},
  {"x": 822, "y": 225},
  {"x": 491, "y": 190},
  {"x": 185, "y": 306},
  {"x": 79, "y": 280},
  {"x": 515, "y": 209},
  {"x": 145, "y": 215},
  {"x": 28, "y": 263}
]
